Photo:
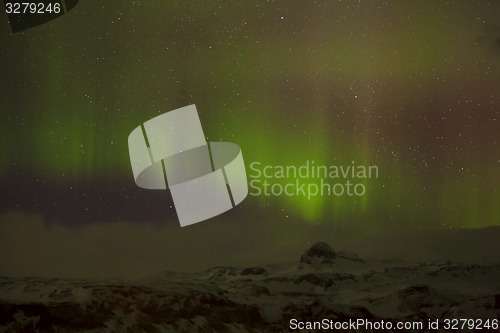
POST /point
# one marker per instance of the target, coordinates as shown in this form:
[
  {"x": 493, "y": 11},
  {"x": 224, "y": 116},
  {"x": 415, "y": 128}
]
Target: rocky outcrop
[{"x": 319, "y": 251}]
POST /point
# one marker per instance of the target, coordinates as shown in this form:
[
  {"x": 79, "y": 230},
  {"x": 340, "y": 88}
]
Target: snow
[{"x": 260, "y": 299}]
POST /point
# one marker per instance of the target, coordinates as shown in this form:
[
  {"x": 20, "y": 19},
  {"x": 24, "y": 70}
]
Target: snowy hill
[{"x": 323, "y": 283}]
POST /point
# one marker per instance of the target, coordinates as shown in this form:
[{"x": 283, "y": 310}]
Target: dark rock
[
  {"x": 221, "y": 271},
  {"x": 415, "y": 290},
  {"x": 253, "y": 271},
  {"x": 320, "y": 250},
  {"x": 349, "y": 256},
  {"x": 320, "y": 280},
  {"x": 256, "y": 290}
]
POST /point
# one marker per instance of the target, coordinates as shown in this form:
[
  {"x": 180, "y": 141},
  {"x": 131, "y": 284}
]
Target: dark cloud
[{"x": 122, "y": 249}]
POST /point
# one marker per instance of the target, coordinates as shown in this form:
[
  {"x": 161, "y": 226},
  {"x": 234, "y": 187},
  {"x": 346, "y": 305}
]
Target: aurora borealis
[{"x": 411, "y": 87}]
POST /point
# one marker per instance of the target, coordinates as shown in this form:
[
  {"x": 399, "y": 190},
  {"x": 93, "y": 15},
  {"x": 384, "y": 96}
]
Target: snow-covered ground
[{"x": 321, "y": 284}]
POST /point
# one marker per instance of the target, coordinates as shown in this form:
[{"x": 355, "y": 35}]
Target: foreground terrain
[{"x": 321, "y": 284}]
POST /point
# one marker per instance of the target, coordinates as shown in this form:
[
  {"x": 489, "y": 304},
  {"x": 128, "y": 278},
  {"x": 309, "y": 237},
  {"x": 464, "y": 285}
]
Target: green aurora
[{"x": 411, "y": 89}]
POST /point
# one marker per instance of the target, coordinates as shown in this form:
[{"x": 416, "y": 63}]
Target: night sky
[{"x": 411, "y": 87}]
